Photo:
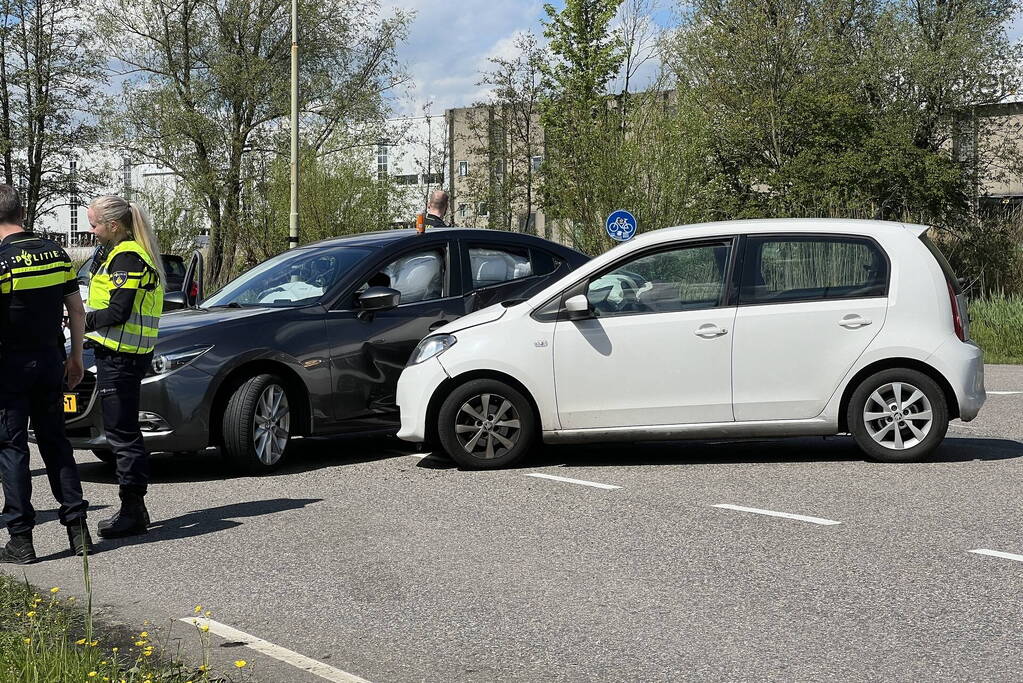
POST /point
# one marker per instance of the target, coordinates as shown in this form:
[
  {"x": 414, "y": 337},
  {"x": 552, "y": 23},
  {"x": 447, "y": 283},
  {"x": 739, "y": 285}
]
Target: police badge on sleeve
[{"x": 119, "y": 278}]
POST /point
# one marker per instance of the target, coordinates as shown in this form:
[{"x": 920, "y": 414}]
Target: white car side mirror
[{"x": 578, "y": 307}]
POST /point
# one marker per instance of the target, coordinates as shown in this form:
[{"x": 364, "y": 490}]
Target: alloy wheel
[
  {"x": 272, "y": 423},
  {"x": 897, "y": 415},
  {"x": 487, "y": 426}
]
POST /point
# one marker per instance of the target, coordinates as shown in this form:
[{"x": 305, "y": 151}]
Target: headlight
[
  {"x": 430, "y": 347},
  {"x": 169, "y": 362}
]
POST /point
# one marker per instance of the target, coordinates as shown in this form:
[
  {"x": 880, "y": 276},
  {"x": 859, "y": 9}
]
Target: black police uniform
[
  {"x": 434, "y": 221},
  {"x": 35, "y": 276}
]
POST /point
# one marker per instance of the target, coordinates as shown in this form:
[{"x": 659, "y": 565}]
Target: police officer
[
  {"x": 436, "y": 208},
  {"x": 125, "y": 302},
  {"x": 36, "y": 282}
]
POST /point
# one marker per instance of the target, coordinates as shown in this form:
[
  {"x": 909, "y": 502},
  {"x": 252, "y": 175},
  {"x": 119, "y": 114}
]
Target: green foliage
[{"x": 996, "y": 324}]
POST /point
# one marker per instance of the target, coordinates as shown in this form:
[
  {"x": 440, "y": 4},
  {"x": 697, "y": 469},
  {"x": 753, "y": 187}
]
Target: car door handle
[
  {"x": 710, "y": 331},
  {"x": 853, "y": 322},
  {"x": 438, "y": 324}
]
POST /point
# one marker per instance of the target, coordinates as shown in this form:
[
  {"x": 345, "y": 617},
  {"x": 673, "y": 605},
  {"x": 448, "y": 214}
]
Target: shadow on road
[
  {"x": 810, "y": 449},
  {"x": 303, "y": 455}
]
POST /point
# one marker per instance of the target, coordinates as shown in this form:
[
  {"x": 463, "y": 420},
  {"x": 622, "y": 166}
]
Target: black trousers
[
  {"x": 31, "y": 387},
  {"x": 119, "y": 381}
]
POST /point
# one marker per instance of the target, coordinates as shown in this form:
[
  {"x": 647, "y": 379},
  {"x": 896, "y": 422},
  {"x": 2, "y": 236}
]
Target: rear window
[
  {"x": 173, "y": 266},
  {"x": 946, "y": 267}
]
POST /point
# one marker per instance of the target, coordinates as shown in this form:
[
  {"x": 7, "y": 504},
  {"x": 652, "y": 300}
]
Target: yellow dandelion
[
  {"x": 203, "y": 668},
  {"x": 28, "y": 640},
  {"x": 93, "y": 674},
  {"x": 30, "y": 614},
  {"x": 17, "y": 614},
  {"x": 139, "y": 643},
  {"x": 144, "y": 634},
  {"x": 55, "y": 589},
  {"x": 103, "y": 662},
  {"x": 115, "y": 649},
  {"x": 147, "y": 653},
  {"x": 198, "y": 608},
  {"x": 93, "y": 643},
  {"x": 209, "y": 613},
  {"x": 204, "y": 628},
  {"x": 80, "y": 641},
  {"x": 240, "y": 663},
  {"x": 71, "y": 598}
]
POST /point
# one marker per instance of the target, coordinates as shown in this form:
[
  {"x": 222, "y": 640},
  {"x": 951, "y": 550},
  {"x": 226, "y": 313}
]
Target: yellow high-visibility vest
[{"x": 138, "y": 333}]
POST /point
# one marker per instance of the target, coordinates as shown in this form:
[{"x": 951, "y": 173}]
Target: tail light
[{"x": 957, "y": 316}]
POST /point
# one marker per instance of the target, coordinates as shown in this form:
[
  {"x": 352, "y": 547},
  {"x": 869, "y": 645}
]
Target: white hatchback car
[{"x": 721, "y": 330}]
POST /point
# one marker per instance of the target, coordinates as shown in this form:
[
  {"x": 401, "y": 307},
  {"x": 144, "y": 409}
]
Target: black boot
[
  {"x": 78, "y": 538},
  {"x": 131, "y": 519},
  {"x": 19, "y": 550}
]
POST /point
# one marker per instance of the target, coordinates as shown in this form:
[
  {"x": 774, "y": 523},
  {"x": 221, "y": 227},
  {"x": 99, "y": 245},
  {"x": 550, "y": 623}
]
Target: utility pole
[{"x": 293, "y": 218}]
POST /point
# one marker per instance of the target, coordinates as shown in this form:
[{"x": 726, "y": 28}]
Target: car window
[
  {"x": 491, "y": 265},
  {"x": 296, "y": 277},
  {"x": 785, "y": 269},
  {"x": 686, "y": 278},
  {"x": 419, "y": 276},
  {"x": 173, "y": 266}
]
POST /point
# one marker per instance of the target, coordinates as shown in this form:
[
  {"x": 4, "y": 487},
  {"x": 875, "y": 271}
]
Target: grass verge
[
  {"x": 996, "y": 325},
  {"x": 45, "y": 638}
]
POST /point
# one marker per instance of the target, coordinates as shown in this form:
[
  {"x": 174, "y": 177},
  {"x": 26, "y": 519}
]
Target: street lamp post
[{"x": 293, "y": 218}]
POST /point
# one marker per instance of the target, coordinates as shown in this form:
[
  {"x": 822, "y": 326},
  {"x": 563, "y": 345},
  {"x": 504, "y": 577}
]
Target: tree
[
  {"x": 208, "y": 84},
  {"x": 580, "y": 129},
  {"x": 50, "y": 75}
]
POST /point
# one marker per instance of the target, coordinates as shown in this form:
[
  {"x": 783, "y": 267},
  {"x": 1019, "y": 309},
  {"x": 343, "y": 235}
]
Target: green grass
[
  {"x": 45, "y": 638},
  {"x": 996, "y": 325}
]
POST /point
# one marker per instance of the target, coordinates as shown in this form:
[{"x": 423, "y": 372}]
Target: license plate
[{"x": 70, "y": 403}]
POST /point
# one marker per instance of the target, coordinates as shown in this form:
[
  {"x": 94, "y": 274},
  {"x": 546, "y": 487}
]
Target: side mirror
[
  {"x": 378, "y": 299},
  {"x": 172, "y": 301},
  {"x": 578, "y": 307}
]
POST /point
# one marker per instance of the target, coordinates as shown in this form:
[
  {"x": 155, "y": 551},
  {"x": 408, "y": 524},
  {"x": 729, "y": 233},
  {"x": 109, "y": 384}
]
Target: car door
[
  {"x": 498, "y": 271},
  {"x": 658, "y": 347},
  {"x": 369, "y": 351},
  {"x": 808, "y": 307}
]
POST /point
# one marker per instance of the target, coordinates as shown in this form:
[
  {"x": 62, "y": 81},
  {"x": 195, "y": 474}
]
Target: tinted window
[
  {"x": 173, "y": 266},
  {"x": 545, "y": 263},
  {"x": 946, "y": 268},
  {"x": 686, "y": 278},
  {"x": 299, "y": 276},
  {"x": 779, "y": 269},
  {"x": 493, "y": 265},
  {"x": 419, "y": 276}
]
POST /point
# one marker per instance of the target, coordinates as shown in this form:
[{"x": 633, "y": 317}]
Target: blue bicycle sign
[{"x": 621, "y": 226}]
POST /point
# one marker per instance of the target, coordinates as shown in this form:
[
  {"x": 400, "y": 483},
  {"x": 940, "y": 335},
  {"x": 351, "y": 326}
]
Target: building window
[
  {"x": 407, "y": 179},
  {"x": 126, "y": 176},
  {"x": 433, "y": 178},
  {"x": 463, "y": 209},
  {"x": 381, "y": 161},
  {"x": 537, "y": 161},
  {"x": 463, "y": 168},
  {"x": 482, "y": 209}
]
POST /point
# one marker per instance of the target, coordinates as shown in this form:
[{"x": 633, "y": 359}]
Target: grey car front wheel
[{"x": 257, "y": 424}]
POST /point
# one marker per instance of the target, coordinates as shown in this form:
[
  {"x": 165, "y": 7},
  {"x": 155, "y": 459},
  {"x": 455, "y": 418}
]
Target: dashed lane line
[
  {"x": 1005, "y": 393},
  {"x": 772, "y": 513},
  {"x": 282, "y": 654},
  {"x": 581, "y": 482},
  {"x": 998, "y": 553}
]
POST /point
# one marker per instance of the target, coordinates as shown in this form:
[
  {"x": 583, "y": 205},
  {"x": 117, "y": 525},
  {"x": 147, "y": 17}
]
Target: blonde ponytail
[{"x": 136, "y": 223}]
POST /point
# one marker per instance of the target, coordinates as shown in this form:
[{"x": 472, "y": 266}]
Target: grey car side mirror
[
  {"x": 578, "y": 307},
  {"x": 172, "y": 301},
  {"x": 378, "y": 299}
]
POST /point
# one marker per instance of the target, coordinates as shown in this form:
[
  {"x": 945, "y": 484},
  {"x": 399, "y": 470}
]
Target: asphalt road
[{"x": 375, "y": 561}]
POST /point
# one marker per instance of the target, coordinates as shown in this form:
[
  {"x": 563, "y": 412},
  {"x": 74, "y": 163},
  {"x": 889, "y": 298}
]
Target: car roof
[
  {"x": 383, "y": 238},
  {"x": 850, "y": 226}
]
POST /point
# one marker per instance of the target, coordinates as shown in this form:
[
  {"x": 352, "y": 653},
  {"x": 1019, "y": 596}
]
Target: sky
[{"x": 449, "y": 43}]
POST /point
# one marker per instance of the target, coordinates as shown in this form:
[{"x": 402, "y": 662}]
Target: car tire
[
  {"x": 105, "y": 455},
  {"x": 257, "y": 424},
  {"x": 486, "y": 423},
  {"x": 898, "y": 415}
]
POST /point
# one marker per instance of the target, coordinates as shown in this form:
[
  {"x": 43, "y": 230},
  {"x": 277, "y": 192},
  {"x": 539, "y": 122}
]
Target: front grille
[{"x": 84, "y": 391}]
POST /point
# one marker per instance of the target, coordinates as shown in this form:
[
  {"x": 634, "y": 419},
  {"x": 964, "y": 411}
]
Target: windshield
[{"x": 293, "y": 278}]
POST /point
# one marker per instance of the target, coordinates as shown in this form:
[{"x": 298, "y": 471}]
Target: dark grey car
[{"x": 311, "y": 342}]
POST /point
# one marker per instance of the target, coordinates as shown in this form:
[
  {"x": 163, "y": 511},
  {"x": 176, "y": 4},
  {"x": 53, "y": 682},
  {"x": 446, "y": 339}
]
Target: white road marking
[
  {"x": 574, "y": 481},
  {"x": 276, "y": 651},
  {"x": 1005, "y": 393},
  {"x": 998, "y": 553},
  {"x": 772, "y": 513}
]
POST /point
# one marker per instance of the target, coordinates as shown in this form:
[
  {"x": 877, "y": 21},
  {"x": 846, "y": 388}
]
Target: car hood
[
  {"x": 190, "y": 319},
  {"x": 481, "y": 317}
]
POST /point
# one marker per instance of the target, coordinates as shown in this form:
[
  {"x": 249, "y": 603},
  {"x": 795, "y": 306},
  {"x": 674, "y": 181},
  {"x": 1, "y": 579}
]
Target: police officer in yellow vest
[
  {"x": 36, "y": 283},
  {"x": 125, "y": 303}
]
